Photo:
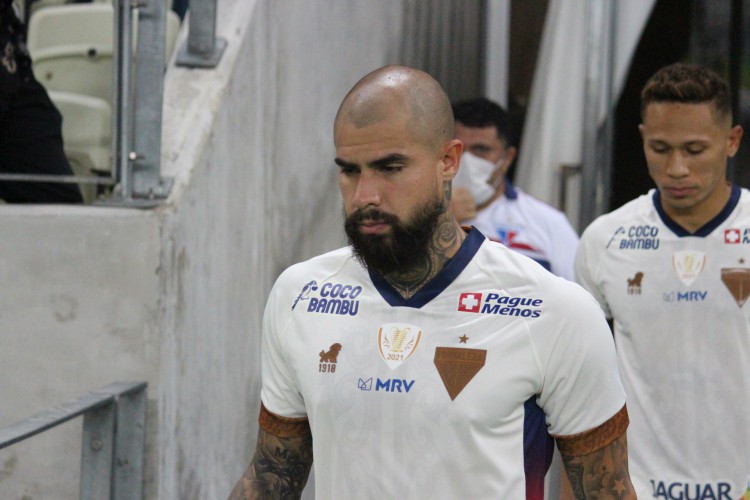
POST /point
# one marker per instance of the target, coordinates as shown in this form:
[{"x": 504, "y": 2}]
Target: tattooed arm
[
  {"x": 596, "y": 462},
  {"x": 282, "y": 460},
  {"x": 601, "y": 474}
]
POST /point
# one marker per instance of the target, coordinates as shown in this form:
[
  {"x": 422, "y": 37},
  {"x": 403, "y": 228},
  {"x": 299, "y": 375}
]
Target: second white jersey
[
  {"x": 531, "y": 227},
  {"x": 432, "y": 396},
  {"x": 682, "y": 331}
]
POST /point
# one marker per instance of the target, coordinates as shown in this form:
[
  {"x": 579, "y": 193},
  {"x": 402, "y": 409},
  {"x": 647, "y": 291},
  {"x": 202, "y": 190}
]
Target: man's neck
[
  {"x": 694, "y": 218},
  {"x": 445, "y": 243}
]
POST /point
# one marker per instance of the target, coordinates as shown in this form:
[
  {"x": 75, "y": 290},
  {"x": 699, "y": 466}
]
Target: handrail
[
  {"x": 136, "y": 150},
  {"x": 114, "y": 423},
  {"x": 203, "y": 49}
]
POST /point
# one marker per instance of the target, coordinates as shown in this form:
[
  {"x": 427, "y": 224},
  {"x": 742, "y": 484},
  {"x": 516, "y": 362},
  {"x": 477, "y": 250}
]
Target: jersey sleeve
[
  {"x": 582, "y": 388},
  {"x": 587, "y": 260},
  {"x": 280, "y": 393},
  {"x": 594, "y": 439}
]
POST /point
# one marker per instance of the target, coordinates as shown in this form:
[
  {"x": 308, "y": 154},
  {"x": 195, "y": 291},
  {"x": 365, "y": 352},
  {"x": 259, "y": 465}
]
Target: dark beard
[{"x": 403, "y": 248}]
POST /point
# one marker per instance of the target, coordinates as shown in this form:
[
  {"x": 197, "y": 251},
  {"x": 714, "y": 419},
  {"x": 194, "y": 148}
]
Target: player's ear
[
  {"x": 510, "y": 154},
  {"x": 451, "y": 159},
  {"x": 733, "y": 140}
]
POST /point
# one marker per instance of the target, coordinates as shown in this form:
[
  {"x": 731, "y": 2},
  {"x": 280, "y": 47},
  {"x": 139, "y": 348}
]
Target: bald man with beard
[{"x": 424, "y": 360}]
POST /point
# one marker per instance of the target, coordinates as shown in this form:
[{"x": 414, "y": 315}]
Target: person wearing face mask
[{"x": 484, "y": 197}]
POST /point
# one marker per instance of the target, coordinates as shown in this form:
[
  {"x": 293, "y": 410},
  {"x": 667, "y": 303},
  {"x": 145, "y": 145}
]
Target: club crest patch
[
  {"x": 737, "y": 281},
  {"x": 458, "y": 366},
  {"x": 397, "y": 342}
]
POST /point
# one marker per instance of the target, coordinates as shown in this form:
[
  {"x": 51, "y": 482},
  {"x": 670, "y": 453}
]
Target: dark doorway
[
  {"x": 665, "y": 39},
  {"x": 698, "y": 31}
]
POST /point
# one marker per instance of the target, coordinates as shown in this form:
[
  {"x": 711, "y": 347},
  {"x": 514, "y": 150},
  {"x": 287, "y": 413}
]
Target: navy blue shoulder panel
[
  {"x": 445, "y": 277},
  {"x": 510, "y": 190},
  {"x": 709, "y": 226}
]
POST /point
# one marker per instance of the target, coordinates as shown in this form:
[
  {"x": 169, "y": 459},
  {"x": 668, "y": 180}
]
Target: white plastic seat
[
  {"x": 78, "y": 68},
  {"x": 43, "y": 4},
  {"x": 71, "y": 24},
  {"x": 87, "y": 135},
  {"x": 71, "y": 47}
]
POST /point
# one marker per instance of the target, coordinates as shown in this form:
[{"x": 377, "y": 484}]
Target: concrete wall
[
  {"x": 78, "y": 309},
  {"x": 174, "y": 295}
]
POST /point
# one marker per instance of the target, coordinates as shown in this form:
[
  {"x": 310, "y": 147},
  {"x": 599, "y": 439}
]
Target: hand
[{"x": 463, "y": 205}]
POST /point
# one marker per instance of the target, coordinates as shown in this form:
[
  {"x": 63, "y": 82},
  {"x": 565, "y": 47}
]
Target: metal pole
[
  {"x": 203, "y": 49},
  {"x": 97, "y": 451},
  {"x": 145, "y": 156},
  {"x": 138, "y": 100},
  {"x": 121, "y": 96}
]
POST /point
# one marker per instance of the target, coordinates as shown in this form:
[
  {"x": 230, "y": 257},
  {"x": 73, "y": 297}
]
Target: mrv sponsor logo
[
  {"x": 503, "y": 305},
  {"x": 387, "y": 385},
  {"x": 694, "y": 491},
  {"x": 334, "y": 298},
  {"x": 643, "y": 237},
  {"x": 688, "y": 296}
]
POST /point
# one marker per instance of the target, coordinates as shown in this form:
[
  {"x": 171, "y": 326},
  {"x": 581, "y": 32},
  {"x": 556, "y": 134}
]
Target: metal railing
[
  {"x": 203, "y": 49},
  {"x": 114, "y": 431},
  {"x": 137, "y": 99},
  {"x": 136, "y": 150},
  {"x": 135, "y": 176}
]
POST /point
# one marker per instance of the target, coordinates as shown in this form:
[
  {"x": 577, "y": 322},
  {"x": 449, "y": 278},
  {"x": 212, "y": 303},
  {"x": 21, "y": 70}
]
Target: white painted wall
[{"x": 174, "y": 296}]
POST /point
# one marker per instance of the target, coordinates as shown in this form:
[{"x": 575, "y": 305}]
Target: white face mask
[{"x": 474, "y": 175}]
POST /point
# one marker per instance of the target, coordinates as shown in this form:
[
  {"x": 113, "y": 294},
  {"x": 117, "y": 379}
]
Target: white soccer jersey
[
  {"x": 683, "y": 342},
  {"x": 429, "y": 397},
  {"x": 531, "y": 227}
]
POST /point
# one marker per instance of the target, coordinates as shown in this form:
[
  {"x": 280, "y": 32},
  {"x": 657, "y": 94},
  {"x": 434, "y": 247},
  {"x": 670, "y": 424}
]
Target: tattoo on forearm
[
  {"x": 279, "y": 468},
  {"x": 575, "y": 478},
  {"x": 602, "y": 474}
]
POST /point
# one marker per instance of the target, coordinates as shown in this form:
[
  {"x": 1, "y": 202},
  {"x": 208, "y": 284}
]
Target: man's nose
[
  {"x": 367, "y": 191},
  {"x": 676, "y": 165}
]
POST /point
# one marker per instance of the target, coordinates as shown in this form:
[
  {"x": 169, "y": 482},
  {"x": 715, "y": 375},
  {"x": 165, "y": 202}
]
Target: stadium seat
[
  {"x": 87, "y": 135},
  {"x": 80, "y": 68},
  {"x": 71, "y": 47},
  {"x": 70, "y": 24},
  {"x": 41, "y": 4}
]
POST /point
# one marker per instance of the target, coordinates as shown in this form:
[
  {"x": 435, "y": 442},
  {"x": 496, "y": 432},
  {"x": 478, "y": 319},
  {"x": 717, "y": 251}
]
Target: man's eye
[
  {"x": 695, "y": 151},
  {"x": 659, "y": 149},
  {"x": 392, "y": 169},
  {"x": 347, "y": 170}
]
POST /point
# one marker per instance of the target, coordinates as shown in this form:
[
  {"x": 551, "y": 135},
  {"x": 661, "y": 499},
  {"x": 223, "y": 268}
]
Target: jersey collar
[
  {"x": 510, "y": 190},
  {"x": 709, "y": 226},
  {"x": 440, "y": 282}
]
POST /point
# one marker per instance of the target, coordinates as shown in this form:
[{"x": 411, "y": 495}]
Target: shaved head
[{"x": 400, "y": 93}]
